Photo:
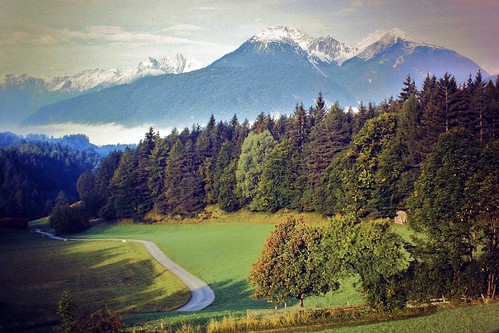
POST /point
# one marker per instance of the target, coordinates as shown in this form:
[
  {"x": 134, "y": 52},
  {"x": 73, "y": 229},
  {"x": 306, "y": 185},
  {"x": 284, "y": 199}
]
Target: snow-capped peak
[
  {"x": 386, "y": 37},
  {"x": 320, "y": 49},
  {"x": 379, "y": 40},
  {"x": 289, "y": 35},
  {"x": 101, "y": 78}
]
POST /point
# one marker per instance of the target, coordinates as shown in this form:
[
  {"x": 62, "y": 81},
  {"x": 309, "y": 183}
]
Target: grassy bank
[{"x": 35, "y": 271}]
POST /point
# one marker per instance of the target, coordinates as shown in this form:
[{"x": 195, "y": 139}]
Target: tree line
[{"x": 321, "y": 160}]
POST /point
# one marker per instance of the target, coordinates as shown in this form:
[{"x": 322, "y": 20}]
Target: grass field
[
  {"x": 472, "y": 319},
  {"x": 220, "y": 253},
  {"x": 35, "y": 270}
]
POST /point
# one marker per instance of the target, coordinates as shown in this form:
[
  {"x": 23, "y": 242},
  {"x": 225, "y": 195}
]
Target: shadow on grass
[{"x": 36, "y": 270}]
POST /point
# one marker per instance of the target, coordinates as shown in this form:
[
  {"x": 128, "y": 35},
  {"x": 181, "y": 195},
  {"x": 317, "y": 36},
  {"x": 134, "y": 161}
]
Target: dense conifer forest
[
  {"x": 316, "y": 159},
  {"x": 35, "y": 174}
]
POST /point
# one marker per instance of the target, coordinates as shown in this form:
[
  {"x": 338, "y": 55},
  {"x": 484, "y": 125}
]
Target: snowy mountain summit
[
  {"x": 173, "y": 65},
  {"x": 380, "y": 40},
  {"x": 102, "y": 78},
  {"x": 325, "y": 49},
  {"x": 329, "y": 50}
]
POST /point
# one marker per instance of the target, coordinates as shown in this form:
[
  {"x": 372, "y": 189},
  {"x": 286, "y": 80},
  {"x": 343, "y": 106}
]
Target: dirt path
[{"x": 201, "y": 294}]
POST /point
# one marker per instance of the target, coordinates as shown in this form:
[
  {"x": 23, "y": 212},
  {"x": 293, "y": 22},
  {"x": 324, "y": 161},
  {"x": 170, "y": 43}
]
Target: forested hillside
[
  {"x": 33, "y": 175},
  {"x": 321, "y": 160}
]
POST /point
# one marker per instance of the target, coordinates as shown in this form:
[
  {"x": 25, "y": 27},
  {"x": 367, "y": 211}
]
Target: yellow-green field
[{"x": 123, "y": 276}]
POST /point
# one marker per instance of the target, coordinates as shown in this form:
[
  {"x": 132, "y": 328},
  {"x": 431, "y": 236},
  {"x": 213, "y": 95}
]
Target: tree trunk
[{"x": 300, "y": 302}]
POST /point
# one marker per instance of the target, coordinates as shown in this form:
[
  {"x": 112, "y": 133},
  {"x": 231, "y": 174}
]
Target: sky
[{"x": 56, "y": 37}]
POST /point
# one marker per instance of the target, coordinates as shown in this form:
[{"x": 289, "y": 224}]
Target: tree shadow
[{"x": 37, "y": 270}]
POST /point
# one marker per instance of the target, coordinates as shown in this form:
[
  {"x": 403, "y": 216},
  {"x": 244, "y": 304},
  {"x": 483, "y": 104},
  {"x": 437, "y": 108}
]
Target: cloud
[
  {"x": 180, "y": 28},
  {"x": 14, "y": 34},
  {"x": 100, "y": 134}
]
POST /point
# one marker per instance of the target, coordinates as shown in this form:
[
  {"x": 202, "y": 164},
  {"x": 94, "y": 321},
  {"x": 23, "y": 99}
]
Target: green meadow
[{"x": 124, "y": 277}]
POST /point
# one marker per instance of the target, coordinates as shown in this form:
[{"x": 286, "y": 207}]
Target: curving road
[{"x": 201, "y": 294}]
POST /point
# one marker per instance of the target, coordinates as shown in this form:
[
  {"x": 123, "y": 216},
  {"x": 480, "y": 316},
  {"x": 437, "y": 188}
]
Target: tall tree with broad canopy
[
  {"x": 291, "y": 265},
  {"x": 254, "y": 152}
]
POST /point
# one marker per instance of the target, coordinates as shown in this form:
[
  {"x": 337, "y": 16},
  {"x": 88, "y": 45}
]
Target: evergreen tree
[
  {"x": 479, "y": 108},
  {"x": 122, "y": 187},
  {"x": 224, "y": 158},
  {"x": 156, "y": 170},
  {"x": 228, "y": 198},
  {"x": 450, "y": 101},
  {"x": 183, "y": 190},
  {"x": 491, "y": 113},
  {"x": 408, "y": 89},
  {"x": 66, "y": 311},
  {"x": 318, "y": 111},
  {"x": 261, "y": 124},
  {"x": 300, "y": 128},
  {"x": 103, "y": 178},
  {"x": 439, "y": 205},
  {"x": 327, "y": 138}
]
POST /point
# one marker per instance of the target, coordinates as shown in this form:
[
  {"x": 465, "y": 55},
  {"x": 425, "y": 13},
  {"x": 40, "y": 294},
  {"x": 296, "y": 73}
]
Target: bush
[
  {"x": 66, "y": 311},
  {"x": 100, "y": 321}
]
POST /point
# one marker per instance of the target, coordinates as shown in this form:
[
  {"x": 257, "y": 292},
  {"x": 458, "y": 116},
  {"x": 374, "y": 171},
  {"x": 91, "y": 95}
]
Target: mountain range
[
  {"x": 271, "y": 72},
  {"x": 21, "y": 95}
]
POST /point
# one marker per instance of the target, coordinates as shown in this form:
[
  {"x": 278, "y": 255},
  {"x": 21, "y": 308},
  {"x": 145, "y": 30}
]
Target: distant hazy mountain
[
  {"x": 270, "y": 72},
  {"x": 21, "y": 95}
]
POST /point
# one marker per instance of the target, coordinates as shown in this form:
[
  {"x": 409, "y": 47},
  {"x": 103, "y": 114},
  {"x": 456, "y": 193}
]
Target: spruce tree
[
  {"x": 327, "y": 138},
  {"x": 408, "y": 89}
]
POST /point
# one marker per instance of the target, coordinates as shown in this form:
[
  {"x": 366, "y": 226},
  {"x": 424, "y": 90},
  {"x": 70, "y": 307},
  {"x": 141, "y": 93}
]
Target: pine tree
[
  {"x": 261, "y": 124},
  {"x": 156, "y": 170},
  {"x": 300, "y": 128},
  {"x": 408, "y": 89},
  {"x": 228, "y": 198},
  {"x": 450, "y": 101},
  {"x": 491, "y": 114},
  {"x": 478, "y": 107},
  {"x": 66, "y": 311},
  {"x": 432, "y": 119},
  {"x": 318, "y": 111}
]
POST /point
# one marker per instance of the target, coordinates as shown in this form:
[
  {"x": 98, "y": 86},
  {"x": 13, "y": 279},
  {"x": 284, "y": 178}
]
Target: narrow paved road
[{"x": 201, "y": 294}]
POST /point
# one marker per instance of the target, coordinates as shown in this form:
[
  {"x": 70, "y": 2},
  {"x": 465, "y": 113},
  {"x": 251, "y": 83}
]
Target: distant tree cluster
[{"x": 34, "y": 173}]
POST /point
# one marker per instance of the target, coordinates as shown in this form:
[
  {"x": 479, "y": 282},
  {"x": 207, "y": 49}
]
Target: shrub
[
  {"x": 66, "y": 311},
  {"x": 100, "y": 321}
]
